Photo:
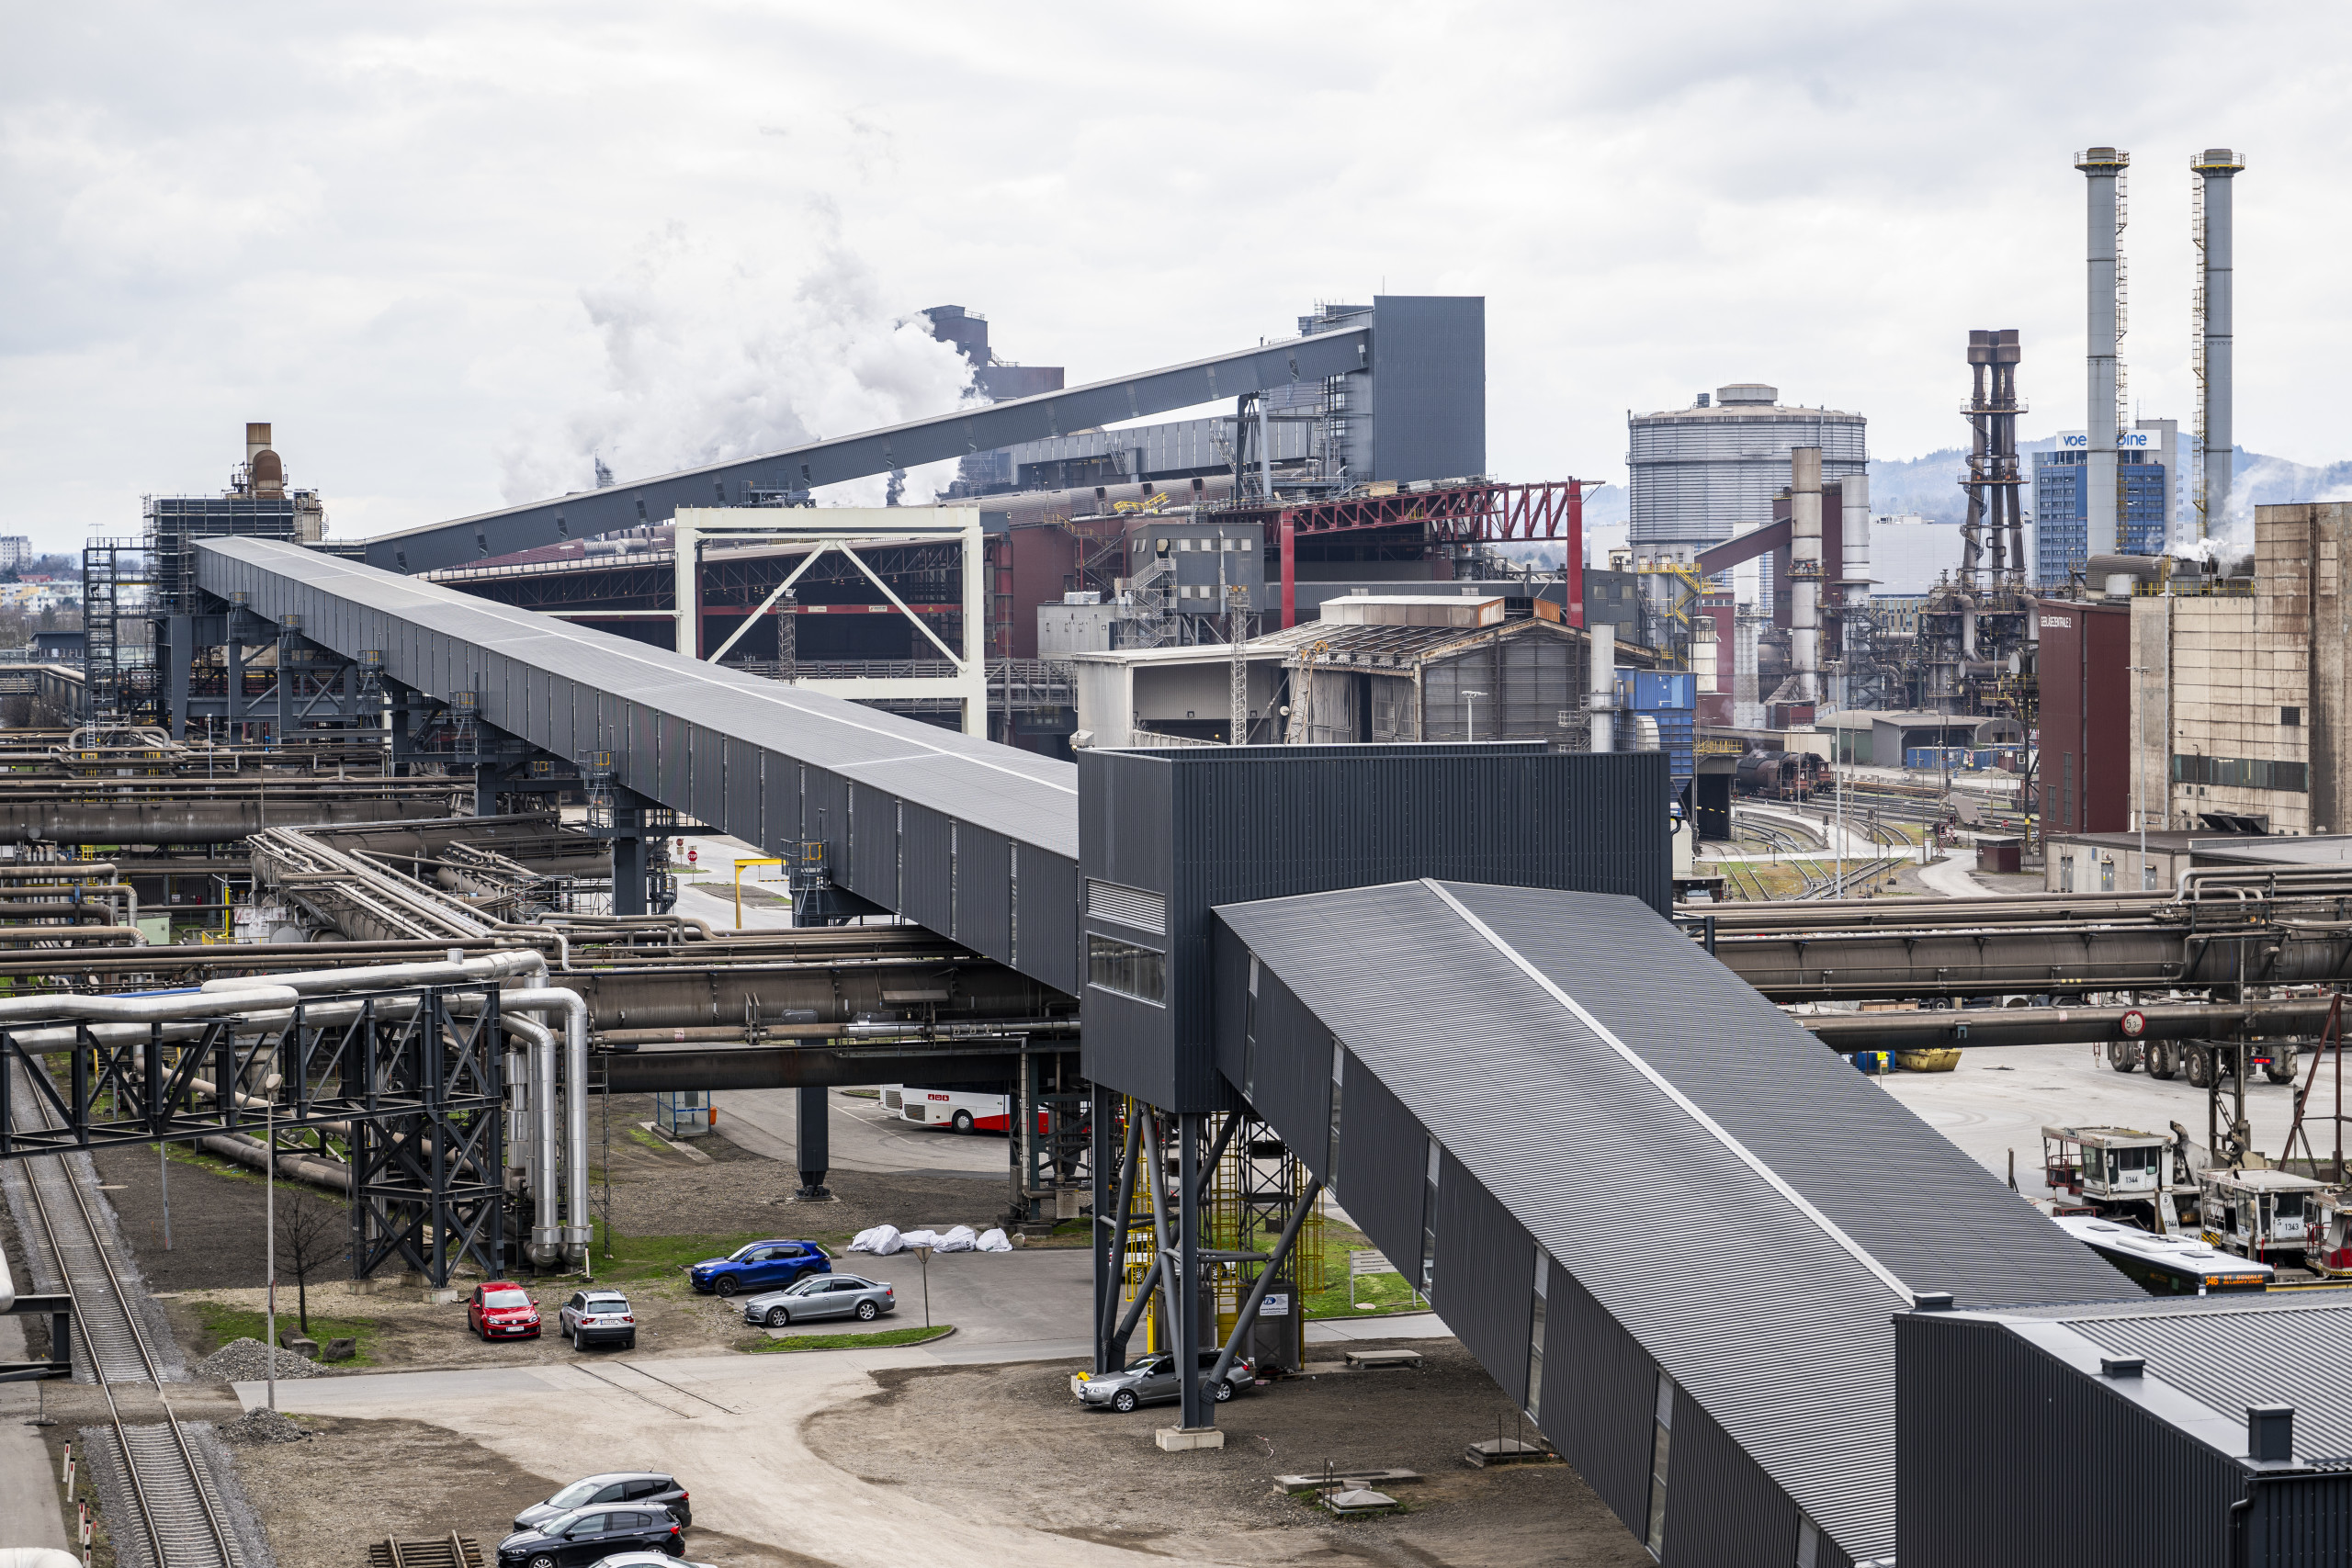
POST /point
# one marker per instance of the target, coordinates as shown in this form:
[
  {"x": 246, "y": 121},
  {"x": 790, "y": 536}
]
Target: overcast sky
[{"x": 450, "y": 250}]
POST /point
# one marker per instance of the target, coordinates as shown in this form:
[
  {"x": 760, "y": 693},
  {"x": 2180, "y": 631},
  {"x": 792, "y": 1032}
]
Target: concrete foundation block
[{"x": 1183, "y": 1439}]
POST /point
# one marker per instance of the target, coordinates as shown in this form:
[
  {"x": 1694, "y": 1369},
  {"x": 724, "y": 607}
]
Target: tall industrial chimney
[
  {"x": 1805, "y": 571},
  {"x": 2215, "y": 168},
  {"x": 2103, "y": 166}
]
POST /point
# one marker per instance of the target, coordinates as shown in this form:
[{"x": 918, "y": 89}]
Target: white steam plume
[{"x": 710, "y": 355}]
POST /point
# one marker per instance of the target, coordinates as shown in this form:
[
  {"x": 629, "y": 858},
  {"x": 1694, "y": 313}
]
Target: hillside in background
[{"x": 1930, "y": 485}]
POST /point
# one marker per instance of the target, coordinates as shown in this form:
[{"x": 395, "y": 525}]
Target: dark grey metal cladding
[
  {"x": 873, "y": 845},
  {"x": 1485, "y": 1269},
  {"x": 1808, "y": 1117},
  {"x": 1288, "y": 1085},
  {"x": 2081, "y": 1473},
  {"x": 1209, "y": 826},
  {"x": 710, "y": 783},
  {"x": 1382, "y": 1177},
  {"x": 1761, "y": 1316},
  {"x": 927, "y": 863},
  {"x": 1048, "y": 415},
  {"x": 1599, "y": 1398},
  {"x": 761, "y": 761},
  {"x": 1429, "y": 389},
  {"x": 983, "y": 888},
  {"x": 744, "y": 790},
  {"x": 1045, "y": 917},
  {"x": 1722, "y": 1510}
]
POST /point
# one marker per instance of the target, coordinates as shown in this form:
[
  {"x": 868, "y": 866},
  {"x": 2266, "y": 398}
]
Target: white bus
[{"x": 952, "y": 1107}]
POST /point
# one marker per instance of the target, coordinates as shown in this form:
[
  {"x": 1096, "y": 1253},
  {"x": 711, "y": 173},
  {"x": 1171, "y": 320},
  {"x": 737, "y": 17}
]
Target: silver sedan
[
  {"x": 821, "y": 1295},
  {"x": 1153, "y": 1380}
]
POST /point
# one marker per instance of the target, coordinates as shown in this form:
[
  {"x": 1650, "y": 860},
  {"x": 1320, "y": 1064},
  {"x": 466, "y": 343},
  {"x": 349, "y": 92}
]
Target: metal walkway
[
  {"x": 1646, "y": 1199},
  {"x": 974, "y": 841},
  {"x": 955, "y": 435}
]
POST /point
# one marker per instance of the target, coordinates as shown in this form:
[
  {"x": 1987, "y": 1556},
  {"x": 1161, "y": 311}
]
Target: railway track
[{"x": 180, "y": 1519}]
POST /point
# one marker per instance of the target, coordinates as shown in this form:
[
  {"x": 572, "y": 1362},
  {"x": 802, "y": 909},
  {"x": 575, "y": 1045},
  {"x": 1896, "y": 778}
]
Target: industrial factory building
[
  {"x": 1227, "y": 796},
  {"x": 1691, "y": 475}
]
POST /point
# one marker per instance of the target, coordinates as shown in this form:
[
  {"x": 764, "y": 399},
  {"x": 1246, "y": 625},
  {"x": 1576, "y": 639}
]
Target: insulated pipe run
[
  {"x": 313, "y": 982},
  {"x": 54, "y": 870},
  {"x": 168, "y": 1007},
  {"x": 1603, "y": 684},
  {"x": 540, "y": 998},
  {"x": 1804, "y": 570},
  {"x": 546, "y": 1228}
]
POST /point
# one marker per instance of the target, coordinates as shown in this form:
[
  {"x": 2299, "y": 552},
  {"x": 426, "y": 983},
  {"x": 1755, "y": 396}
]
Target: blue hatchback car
[{"x": 761, "y": 1266}]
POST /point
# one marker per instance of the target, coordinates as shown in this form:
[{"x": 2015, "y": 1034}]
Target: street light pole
[
  {"x": 1470, "y": 702},
  {"x": 269, "y": 1245},
  {"x": 2140, "y": 778}
]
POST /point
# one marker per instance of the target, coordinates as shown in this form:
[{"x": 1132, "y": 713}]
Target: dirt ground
[
  {"x": 217, "y": 1242},
  {"x": 422, "y": 1481},
  {"x": 412, "y": 1334},
  {"x": 1009, "y": 1442}
]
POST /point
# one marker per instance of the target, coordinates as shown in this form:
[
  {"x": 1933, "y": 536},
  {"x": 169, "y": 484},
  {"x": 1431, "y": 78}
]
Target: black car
[
  {"x": 646, "y": 1488},
  {"x": 591, "y": 1535}
]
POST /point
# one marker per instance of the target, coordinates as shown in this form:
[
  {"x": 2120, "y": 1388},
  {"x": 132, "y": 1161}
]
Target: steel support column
[
  {"x": 813, "y": 1147},
  {"x": 629, "y": 851},
  {"x": 1109, "y": 1235},
  {"x": 1185, "y": 1300}
]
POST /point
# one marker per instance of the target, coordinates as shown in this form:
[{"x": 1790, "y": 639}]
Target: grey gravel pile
[
  {"x": 264, "y": 1425},
  {"x": 247, "y": 1360}
]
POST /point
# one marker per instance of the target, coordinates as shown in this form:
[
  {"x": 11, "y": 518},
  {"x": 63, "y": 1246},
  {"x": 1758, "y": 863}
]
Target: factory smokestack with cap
[
  {"x": 2215, "y": 169},
  {"x": 2103, "y": 171}
]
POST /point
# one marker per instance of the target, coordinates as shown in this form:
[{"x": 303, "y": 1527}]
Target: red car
[{"x": 500, "y": 1309}]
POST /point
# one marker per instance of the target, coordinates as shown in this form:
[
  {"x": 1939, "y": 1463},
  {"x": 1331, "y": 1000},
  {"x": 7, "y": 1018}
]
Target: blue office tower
[{"x": 2061, "y": 513}]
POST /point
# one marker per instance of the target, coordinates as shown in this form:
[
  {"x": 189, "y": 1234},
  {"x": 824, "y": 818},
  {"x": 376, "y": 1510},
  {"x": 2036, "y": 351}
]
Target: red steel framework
[{"x": 1451, "y": 515}]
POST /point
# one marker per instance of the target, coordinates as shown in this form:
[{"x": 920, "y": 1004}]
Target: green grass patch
[
  {"x": 857, "y": 1341},
  {"x": 223, "y": 1324},
  {"x": 1374, "y": 1293},
  {"x": 639, "y": 1135}
]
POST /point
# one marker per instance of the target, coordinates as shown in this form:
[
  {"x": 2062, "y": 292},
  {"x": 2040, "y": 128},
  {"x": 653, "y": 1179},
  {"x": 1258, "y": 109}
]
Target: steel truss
[
  {"x": 1200, "y": 1251},
  {"x": 411, "y": 1082}
]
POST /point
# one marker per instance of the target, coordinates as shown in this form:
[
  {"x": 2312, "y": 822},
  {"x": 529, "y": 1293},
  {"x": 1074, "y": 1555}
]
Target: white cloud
[{"x": 449, "y": 249}]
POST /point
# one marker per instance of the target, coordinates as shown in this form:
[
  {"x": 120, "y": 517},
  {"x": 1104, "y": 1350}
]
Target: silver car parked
[
  {"x": 821, "y": 1295},
  {"x": 1152, "y": 1381}
]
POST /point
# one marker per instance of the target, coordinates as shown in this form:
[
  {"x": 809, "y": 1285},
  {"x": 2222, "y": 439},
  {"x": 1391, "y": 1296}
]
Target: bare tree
[{"x": 312, "y": 1230}]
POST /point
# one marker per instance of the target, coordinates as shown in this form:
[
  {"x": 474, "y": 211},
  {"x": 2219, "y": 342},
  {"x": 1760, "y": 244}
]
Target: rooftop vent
[
  {"x": 2270, "y": 1432},
  {"x": 1932, "y": 1300},
  {"x": 1749, "y": 393},
  {"x": 2121, "y": 1366}
]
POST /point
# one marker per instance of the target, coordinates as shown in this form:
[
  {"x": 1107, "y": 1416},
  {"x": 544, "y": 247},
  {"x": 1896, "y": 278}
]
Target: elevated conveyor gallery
[
  {"x": 1665, "y": 1220},
  {"x": 975, "y": 841},
  {"x": 947, "y": 435}
]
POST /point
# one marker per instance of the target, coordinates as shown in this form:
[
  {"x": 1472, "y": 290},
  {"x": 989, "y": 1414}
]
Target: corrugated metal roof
[
  {"x": 1027, "y": 797},
  {"x": 2231, "y": 1352},
  {"x": 1764, "y": 1293}
]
